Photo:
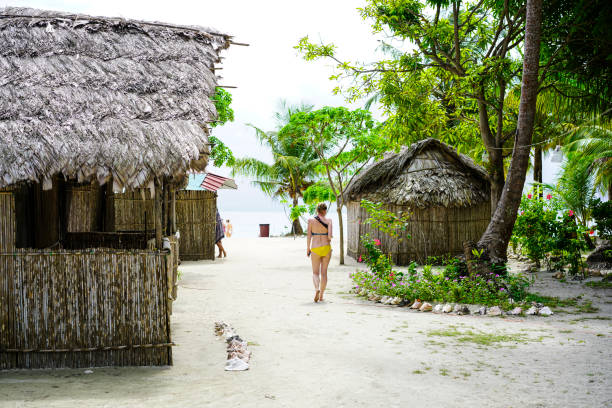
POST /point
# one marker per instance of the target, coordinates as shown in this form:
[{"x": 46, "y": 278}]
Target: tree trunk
[
  {"x": 296, "y": 228},
  {"x": 537, "y": 164},
  {"x": 497, "y": 236},
  {"x": 496, "y": 173},
  {"x": 610, "y": 191},
  {"x": 341, "y": 229}
]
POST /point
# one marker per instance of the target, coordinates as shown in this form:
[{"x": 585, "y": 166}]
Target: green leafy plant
[
  {"x": 220, "y": 154},
  {"x": 602, "y": 215},
  {"x": 546, "y": 230},
  {"x": 386, "y": 221}
]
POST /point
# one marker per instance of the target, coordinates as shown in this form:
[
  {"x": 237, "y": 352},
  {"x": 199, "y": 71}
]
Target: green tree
[
  {"x": 593, "y": 138},
  {"x": 344, "y": 141},
  {"x": 294, "y": 165},
  {"x": 470, "y": 54},
  {"x": 220, "y": 154}
]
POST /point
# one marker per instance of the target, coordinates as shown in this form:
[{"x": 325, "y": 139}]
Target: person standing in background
[
  {"x": 228, "y": 229},
  {"x": 219, "y": 235}
]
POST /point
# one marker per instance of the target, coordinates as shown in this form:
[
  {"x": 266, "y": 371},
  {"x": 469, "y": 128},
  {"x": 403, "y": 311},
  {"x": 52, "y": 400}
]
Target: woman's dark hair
[{"x": 321, "y": 207}]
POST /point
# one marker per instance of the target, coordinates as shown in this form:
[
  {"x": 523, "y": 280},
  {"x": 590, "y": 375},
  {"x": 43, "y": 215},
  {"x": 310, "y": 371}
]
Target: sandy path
[{"x": 342, "y": 353}]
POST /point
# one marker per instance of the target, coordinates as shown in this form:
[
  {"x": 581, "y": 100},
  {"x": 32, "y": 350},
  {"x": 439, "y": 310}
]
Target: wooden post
[
  {"x": 158, "y": 213},
  {"x": 165, "y": 207},
  {"x": 172, "y": 211}
]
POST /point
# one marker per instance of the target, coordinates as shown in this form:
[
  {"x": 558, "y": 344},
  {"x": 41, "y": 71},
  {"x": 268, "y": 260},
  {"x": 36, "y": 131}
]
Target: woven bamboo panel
[
  {"x": 83, "y": 309},
  {"x": 7, "y": 220},
  {"x": 130, "y": 210},
  {"x": 196, "y": 218},
  {"x": 434, "y": 231},
  {"x": 83, "y": 206}
]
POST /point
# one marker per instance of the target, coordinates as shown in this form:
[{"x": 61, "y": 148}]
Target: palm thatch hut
[
  {"x": 445, "y": 192},
  {"x": 89, "y": 107}
]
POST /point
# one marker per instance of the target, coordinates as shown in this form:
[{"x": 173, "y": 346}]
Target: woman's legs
[
  {"x": 324, "y": 264},
  {"x": 221, "y": 249},
  {"x": 316, "y": 278}
]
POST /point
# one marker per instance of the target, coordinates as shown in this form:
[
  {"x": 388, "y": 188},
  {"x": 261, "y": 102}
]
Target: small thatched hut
[
  {"x": 446, "y": 193},
  {"x": 90, "y": 107}
]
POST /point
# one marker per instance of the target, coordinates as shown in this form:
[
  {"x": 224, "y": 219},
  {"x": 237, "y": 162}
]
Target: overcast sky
[{"x": 266, "y": 71}]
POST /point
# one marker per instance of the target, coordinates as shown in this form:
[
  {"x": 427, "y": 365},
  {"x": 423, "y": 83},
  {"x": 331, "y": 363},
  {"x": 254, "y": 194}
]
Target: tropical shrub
[
  {"x": 602, "y": 215},
  {"x": 487, "y": 289},
  {"x": 546, "y": 230}
]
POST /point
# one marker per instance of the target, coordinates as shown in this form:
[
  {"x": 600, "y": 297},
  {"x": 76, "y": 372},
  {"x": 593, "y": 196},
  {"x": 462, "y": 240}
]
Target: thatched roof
[
  {"x": 428, "y": 173},
  {"x": 91, "y": 97}
]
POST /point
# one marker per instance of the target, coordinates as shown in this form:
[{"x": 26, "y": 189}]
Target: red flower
[
  {"x": 548, "y": 196},
  {"x": 522, "y": 212},
  {"x": 591, "y": 232},
  {"x": 529, "y": 196},
  {"x": 360, "y": 260},
  {"x": 571, "y": 213},
  {"x": 377, "y": 242}
]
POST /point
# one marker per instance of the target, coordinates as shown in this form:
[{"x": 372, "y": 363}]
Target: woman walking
[
  {"x": 219, "y": 235},
  {"x": 319, "y": 249}
]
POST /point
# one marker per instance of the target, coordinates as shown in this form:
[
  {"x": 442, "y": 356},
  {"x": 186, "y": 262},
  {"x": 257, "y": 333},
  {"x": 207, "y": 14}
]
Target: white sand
[{"x": 343, "y": 353}]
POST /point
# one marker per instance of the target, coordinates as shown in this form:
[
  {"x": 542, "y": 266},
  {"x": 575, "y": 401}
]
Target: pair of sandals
[{"x": 318, "y": 297}]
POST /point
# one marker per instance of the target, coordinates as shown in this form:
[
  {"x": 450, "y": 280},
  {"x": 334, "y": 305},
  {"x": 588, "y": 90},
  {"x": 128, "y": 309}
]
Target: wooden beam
[
  {"x": 158, "y": 213},
  {"x": 173, "y": 212}
]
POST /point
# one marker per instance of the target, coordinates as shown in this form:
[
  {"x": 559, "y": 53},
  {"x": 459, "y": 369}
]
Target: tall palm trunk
[
  {"x": 497, "y": 236},
  {"x": 537, "y": 164},
  {"x": 296, "y": 228}
]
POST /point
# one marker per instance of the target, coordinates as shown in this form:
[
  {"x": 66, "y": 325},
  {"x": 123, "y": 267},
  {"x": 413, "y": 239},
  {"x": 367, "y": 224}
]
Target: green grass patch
[
  {"x": 551, "y": 301},
  {"x": 599, "y": 284},
  {"x": 485, "y": 339},
  {"x": 418, "y": 372},
  {"x": 587, "y": 307},
  {"x": 443, "y": 371}
]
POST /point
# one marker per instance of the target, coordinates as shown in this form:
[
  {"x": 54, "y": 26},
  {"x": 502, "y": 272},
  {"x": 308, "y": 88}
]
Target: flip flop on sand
[{"x": 316, "y": 299}]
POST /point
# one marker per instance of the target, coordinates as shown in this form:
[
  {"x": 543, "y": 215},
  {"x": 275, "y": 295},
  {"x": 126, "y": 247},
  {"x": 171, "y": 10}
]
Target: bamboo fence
[
  {"x": 195, "y": 219},
  {"x": 433, "y": 231},
  {"x": 114, "y": 240},
  {"x": 84, "y": 309},
  {"x": 83, "y": 202},
  {"x": 7, "y": 221}
]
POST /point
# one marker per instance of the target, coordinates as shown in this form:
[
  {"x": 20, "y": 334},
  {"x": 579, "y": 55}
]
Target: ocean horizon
[{"x": 246, "y": 223}]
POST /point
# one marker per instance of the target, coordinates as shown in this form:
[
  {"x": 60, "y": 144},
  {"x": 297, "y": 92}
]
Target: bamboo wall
[
  {"x": 114, "y": 240},
  {"x": 7, "y": 221},
  {"x": 195, "y": 219},
  {"x": 83, "y": 207},
  {"x": 84, "y": 309},
  {"x": 434, "y": 231},
  {"x": 129, "y": 211}
]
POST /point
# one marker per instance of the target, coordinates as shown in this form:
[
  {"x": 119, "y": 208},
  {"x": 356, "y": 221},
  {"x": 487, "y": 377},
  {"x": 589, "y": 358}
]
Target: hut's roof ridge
[
  {"x": 60, "y": 17},
  {"x": 93, "y": 97},
  {"x": 459, "y": 183}
]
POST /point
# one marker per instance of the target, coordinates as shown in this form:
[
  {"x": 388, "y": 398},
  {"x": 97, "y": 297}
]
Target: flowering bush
[
  {"x": 546, "y": 230},
  {"x": 448, "y": 286}
]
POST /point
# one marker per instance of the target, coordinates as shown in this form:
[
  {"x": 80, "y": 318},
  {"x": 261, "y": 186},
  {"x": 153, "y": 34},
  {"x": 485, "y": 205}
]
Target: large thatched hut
[
  {"x": 446, "y": 193},
  {"x": 91, "y": 107}
]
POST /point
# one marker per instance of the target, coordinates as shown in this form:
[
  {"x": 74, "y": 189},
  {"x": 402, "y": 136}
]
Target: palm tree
[
  {"x": 594, "y": 139},
  {"x": 294, "y": 165}
]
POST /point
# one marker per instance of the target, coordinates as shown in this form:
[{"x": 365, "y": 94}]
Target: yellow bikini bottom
[{"x": 322, "y": 251}]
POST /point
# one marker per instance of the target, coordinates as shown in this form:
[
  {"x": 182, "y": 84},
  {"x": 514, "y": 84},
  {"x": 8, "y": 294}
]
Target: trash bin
[{"x": 264, "y": 230}]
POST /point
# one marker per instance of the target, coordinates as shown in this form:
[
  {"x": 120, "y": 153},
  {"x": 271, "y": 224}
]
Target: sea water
[{"x": 246, "y": 223}]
